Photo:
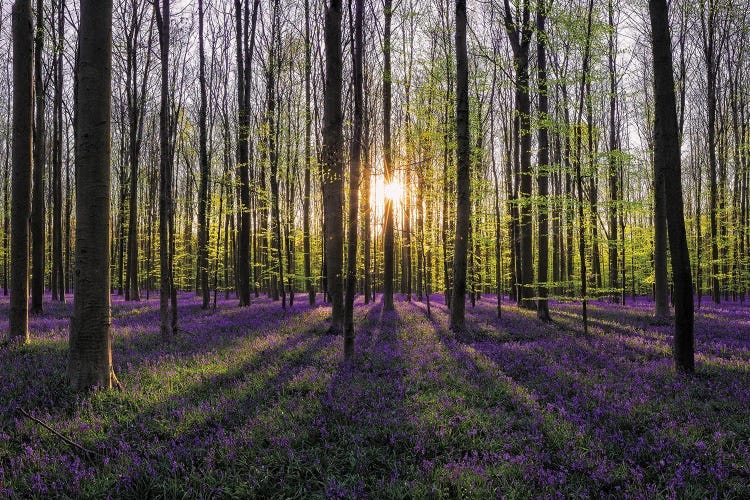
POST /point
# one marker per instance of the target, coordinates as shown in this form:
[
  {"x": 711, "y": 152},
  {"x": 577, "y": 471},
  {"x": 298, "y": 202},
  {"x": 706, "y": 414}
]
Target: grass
[{"x": 255, "y": 402}]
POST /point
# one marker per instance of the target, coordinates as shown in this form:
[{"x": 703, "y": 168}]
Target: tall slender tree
[
  {"x": 307, "y": 264},
  {"x": 333, "y": 163},
  {"x": 519, "y": 32},
  {"x": 388, "y": 212},
  {"x": 613, "y": 157},
  {"x": 243, "y": 178},
  {"x": 23, "y": 110},
  {"x": 463, "y": 172},
  {"x": 355, "y": 155},
  {"x": 40, "y": 160},
  {"x": 90, "y": 362},
  {"x": 543, "y": 155},
  {"x": 713, "y": 41},
  {"x": 586, "y": 70},
  {"x": 58, "y": 268},
  {"x": 136, "y": 100},
  {"x": 205, "y": 172},
  {"x": 667, "y": 161},
  {"x": 165, "y": 174}
]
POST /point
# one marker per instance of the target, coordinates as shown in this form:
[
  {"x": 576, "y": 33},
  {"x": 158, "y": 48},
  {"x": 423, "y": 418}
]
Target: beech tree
[
  {"x": 205, "y": 172},
  {"x": 23, "y": 110},
  {"x": 136, "y": 93},
  {"x": 355, "y": 155},
  {"x": 463, "y": 172},
  {"x": 667, "y": 167},
  {"x": 519, "y": 30},
  {"x": 332, "y": 162},
  {"x": 166, "y": 226},
  {"x": 388, "y": 222},
  {"x": 58, "y": 268},
  {"x": 544, "y": 163},
  {"x": 90, "y": 362},
  {"x": 40, "y": 160}
]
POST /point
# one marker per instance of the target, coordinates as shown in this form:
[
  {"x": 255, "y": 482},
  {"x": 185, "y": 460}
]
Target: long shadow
[
  {"x": 488, "y": 405},
  {"x": 654, "y": 342},
  {"x": 199, "y": 419},
  {"x": 36, "y": 371},
  {"x": 613, "y": 401},
  {"x": 363, "y": 399},
  {"x": 554, "y": 382},
  {"x": 361, "y": 429},
  {"x": 137, "y": 341}
]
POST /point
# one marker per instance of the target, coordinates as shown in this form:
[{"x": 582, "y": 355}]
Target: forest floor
[{"x": 255, "y": 402}]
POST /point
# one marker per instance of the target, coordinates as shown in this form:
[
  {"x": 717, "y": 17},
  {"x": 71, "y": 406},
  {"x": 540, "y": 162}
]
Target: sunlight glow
[{"x": 393, "y": 191}]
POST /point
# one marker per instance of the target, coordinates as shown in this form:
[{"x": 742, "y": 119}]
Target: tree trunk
[
  {"x": 366, "y": 212},
  {"x": 58, "y": 284},
  {"x": 463, "y": 172},
  {"x": 544, "y": 167},
  {"x": 333, "y": 168},
  {"x": 519, "y": 32},
  {"x": 277, "y": 266},
  {"x": 667, "y": 160},
  {"x": 614, "y": 191},
  {"x": 661, "y": 285},
  {"x": 708, "y": 25},
  {"x": 165, "y": 176},
  {"x": 205, "y": 171},
  {"x": 243, "y": 123},
  {"x": 388, "y": 222},
  {"x": 90, "y": 362},
  {"x": 23, "y": 111},
  {"x": 307, "y": 264},
  {"x": 578, "y": 174},
  {"x": 354, "y": 176},
  {"x": 40, "y": 160}
]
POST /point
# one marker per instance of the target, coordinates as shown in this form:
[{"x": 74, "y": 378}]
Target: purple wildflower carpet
[{"x": 256, "y": 402}]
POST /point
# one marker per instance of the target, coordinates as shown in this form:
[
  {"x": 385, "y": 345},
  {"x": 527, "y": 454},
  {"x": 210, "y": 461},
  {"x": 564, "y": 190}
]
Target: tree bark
[
  {"x": 307, "y": 264},
  {"x": 205, "y": 171},
  {"x": 519, "y": 32},
  {"x": 277, "y": 269},
  {"x": 90, "y": 362},
  {"x": 613, "y": 177},
  {"x": 332, "y": 164},
  {"x": 23, "y": 110},
  {"x": 667, "y": 160},
  {"x": 243, "y": 179},
  {"x": 165, "y": 176},
  {"x": 136, "y": 111},
  {"x": 544, "y": 166},
  {"x": 712, "y": 59},
  {"x": 58, "y": 269},
  {"x": 578, "y": 173},
  {"x": 388, "y": 212},
  {"x": 354, "y": 176},
  {"x": 661, "y": 284},
  {"x": 40, "y": 160},
  {"x": 463, "y": 173}
]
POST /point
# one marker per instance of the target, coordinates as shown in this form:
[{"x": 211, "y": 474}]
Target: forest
[{"x": 374, "y": 249}]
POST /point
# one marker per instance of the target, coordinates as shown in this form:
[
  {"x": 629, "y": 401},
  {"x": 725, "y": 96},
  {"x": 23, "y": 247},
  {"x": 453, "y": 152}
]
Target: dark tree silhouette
[
  {"x": 463, "y": 172},
  {"x": 333, "y": 163},
  {"x": 23, "y": 110},
  {"x": 667, "y": 166},
  {"x": 354, "y": 175},
  {"x": 90, "y": 363},
  {"x": 40, "y": 159}
]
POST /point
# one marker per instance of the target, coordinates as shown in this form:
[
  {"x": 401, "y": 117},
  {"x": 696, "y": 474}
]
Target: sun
[
  {"x": 386, "y": 191},
  {"x": 393, "y": 191}
]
